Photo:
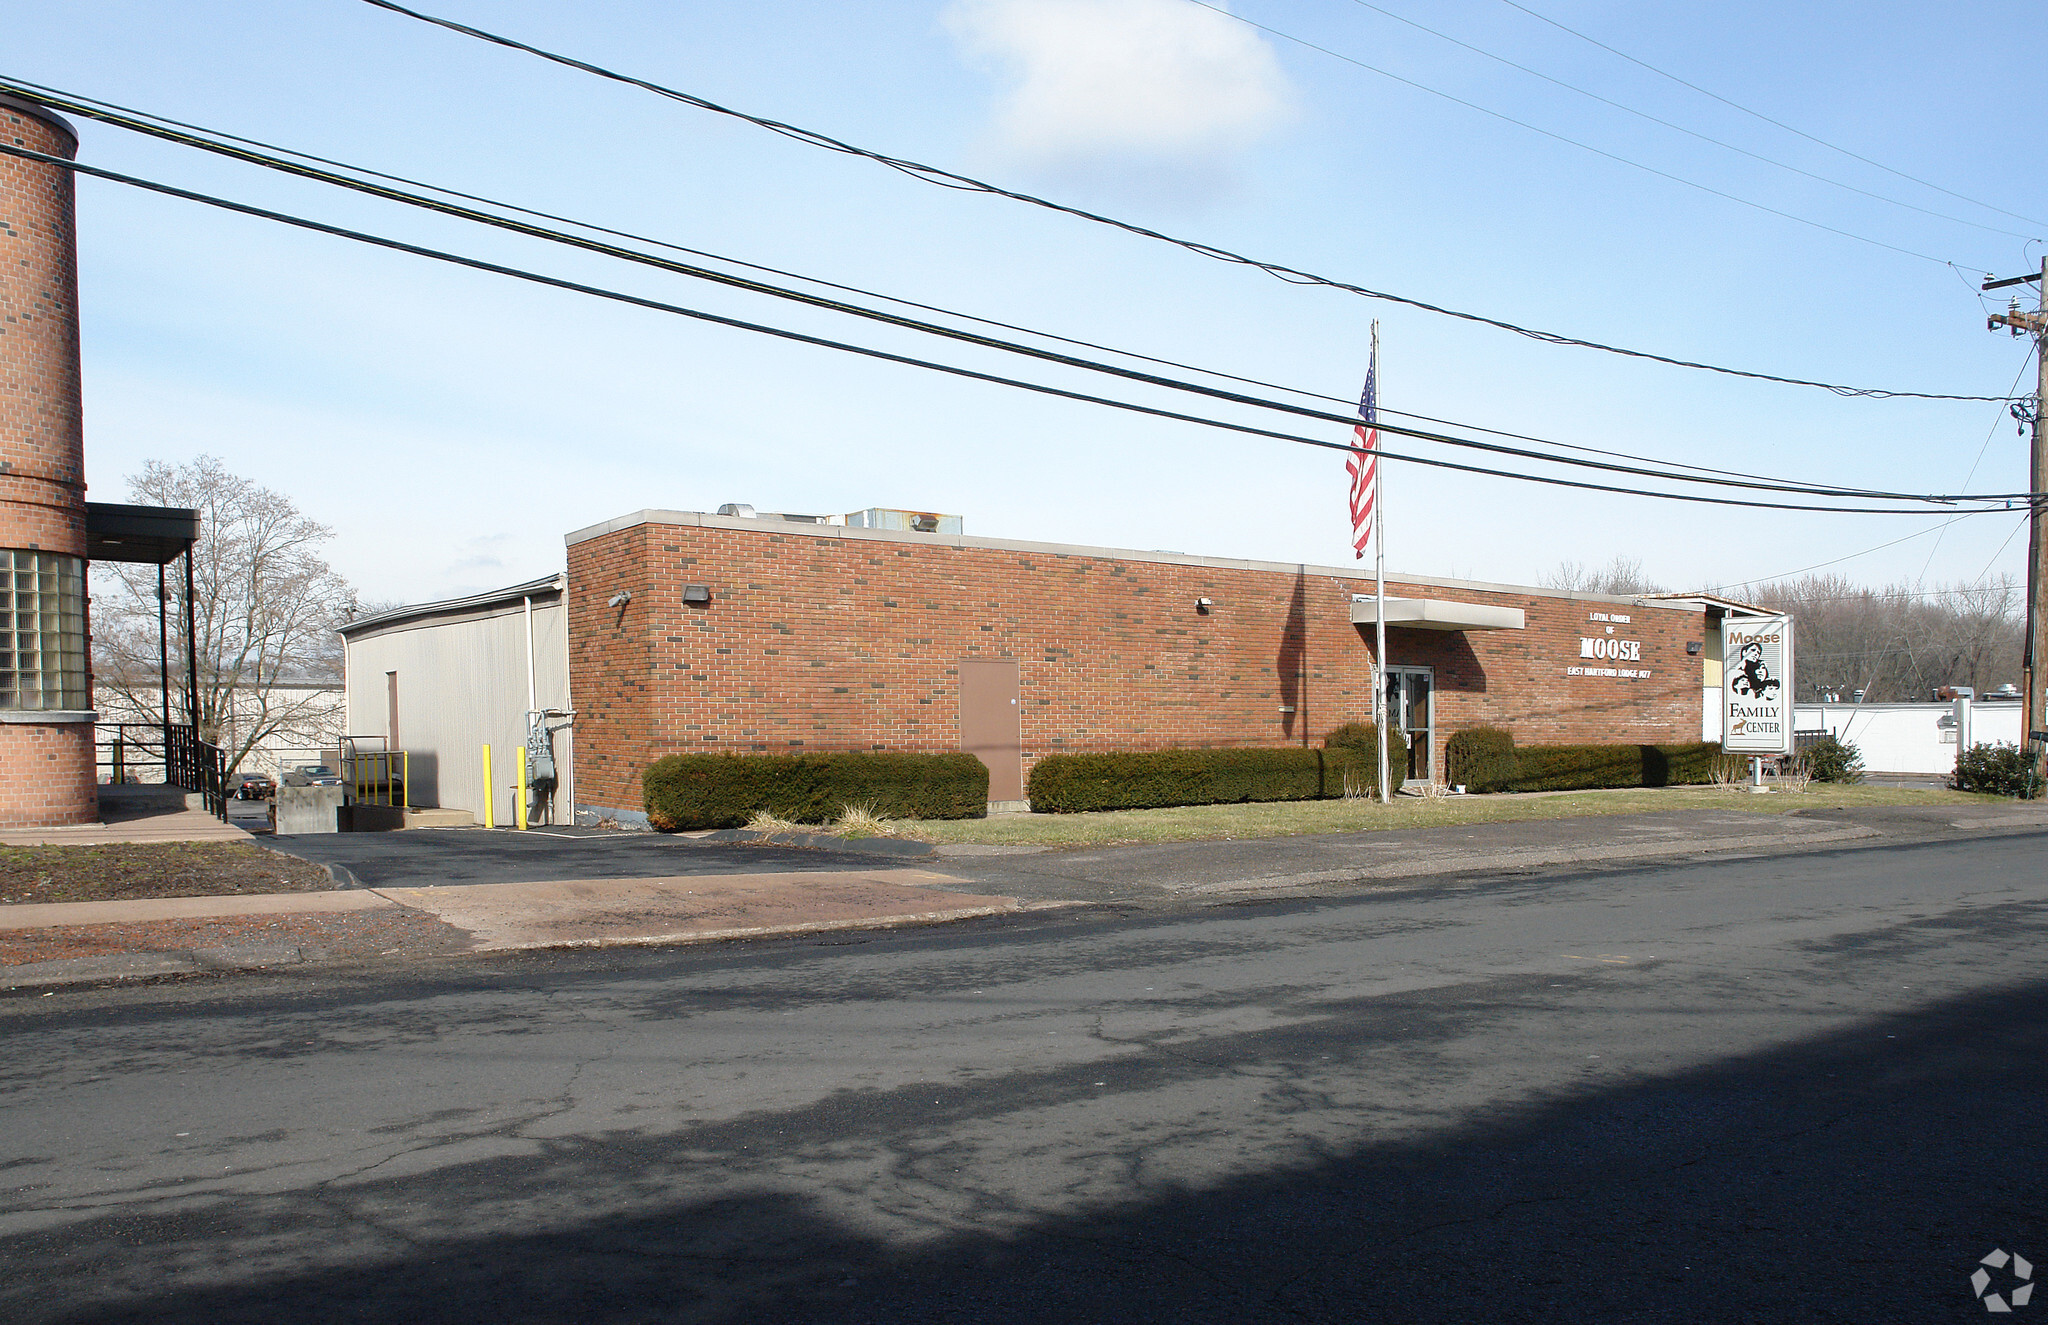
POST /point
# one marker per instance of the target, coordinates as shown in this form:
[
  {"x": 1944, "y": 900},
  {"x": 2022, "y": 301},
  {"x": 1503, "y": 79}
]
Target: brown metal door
[
  {"x": 991, "y": 727},
  {"x": 391, "y": 710}
]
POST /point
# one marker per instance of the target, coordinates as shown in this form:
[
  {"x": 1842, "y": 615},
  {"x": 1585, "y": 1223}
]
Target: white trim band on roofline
[{"x": 1436, "y": 614}]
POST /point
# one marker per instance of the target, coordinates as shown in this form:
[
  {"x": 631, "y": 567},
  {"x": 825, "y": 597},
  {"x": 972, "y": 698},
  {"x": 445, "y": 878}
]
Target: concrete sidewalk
[
  {"x": 179, "y": 825},
  {"x": 150, "y": 938}
]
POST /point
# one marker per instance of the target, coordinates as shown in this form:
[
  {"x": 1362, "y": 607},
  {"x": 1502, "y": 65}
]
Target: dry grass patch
[
  {"x": 1294, "y": 818},
  {"x": 129, "y": 871}
]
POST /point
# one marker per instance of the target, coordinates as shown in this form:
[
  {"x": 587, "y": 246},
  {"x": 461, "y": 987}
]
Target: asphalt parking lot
[
  {"x": 432, "y": 857},
  {"x": 251, "y": 816}
]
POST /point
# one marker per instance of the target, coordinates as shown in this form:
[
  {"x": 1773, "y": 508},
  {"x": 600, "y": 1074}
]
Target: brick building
[
  {"x": 694, "y": 632},
  {"x": 46, "y": 734}
]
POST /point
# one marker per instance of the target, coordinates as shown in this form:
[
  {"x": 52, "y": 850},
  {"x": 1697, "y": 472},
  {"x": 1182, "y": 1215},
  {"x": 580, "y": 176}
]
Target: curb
[
  {"x": 1527, "y": 858},
  {"x": 148, "y": 965},
  {"x": 790, "y": 929},
  {"x": 874, "y": 846}
]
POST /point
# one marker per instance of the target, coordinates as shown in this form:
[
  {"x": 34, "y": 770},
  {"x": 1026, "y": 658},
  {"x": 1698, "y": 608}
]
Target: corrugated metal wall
[{"x": 462, "y": 685}]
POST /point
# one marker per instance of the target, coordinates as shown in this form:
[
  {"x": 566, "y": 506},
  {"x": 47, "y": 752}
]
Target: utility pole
[{"x": 2033, "y": 737}]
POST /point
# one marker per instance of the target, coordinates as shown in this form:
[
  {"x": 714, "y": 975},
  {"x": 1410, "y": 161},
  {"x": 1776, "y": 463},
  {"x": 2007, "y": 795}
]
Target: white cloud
[{"x": 1094, "y": 84}]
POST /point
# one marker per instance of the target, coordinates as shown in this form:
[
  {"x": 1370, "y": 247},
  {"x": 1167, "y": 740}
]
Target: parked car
[
  {"x": 254, "y": 787},
  {"x": 312, "y": 775}
]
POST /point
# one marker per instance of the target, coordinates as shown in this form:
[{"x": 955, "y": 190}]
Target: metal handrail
[{"x": 186, "y": 760}]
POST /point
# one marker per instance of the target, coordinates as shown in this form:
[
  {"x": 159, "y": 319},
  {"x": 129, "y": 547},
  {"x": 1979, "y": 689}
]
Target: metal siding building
[{"x": 441, "y": 680}]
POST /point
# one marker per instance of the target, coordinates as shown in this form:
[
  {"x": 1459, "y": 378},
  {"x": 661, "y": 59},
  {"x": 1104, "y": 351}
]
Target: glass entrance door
[{"x": 1411, "y": 702}]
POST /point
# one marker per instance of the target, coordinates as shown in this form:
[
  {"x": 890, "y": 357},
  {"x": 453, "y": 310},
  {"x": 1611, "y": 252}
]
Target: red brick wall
[
  {"x": 824, "y": 641},
  {"x": 46, "y": 770},
  {"x": 42, "y": 451},
  {"x": 46, "y": 775}
]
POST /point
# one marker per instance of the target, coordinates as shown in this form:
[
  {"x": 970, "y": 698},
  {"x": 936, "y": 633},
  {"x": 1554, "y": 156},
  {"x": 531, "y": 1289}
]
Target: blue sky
[{"x": 452, "y": 425}]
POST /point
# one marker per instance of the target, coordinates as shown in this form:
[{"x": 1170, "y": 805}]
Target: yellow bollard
[
  {"x": 405, "y": 791},
  {"x": 519, "y": 790},
  {"x": 490, "y": 813}
]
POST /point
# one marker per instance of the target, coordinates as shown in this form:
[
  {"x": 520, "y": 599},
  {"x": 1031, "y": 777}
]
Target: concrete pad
[
  {"x": 176, "y": 826},
  {"x": 694, "y": 908},
  {"x": 39, "y": 915}
]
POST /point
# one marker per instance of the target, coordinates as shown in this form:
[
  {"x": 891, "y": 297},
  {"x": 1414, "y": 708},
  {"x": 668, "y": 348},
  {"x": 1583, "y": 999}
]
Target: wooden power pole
[{"x": 2032, "y": 734}]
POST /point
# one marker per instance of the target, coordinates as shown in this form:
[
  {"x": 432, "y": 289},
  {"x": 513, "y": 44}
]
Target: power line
[
  {"x": 781, "y": 333},
  {"x": 1975, "y": 586},
  {"x": 1996, "y": 424},
  {"x": 95, "y": 108},
  {"x": 1818, "y": 565},
  {"x": 964, "y": 183},
  {"x": 79, "y": 103},
  {"x": 1572, "y": 142},
  {"x": 1680, "y": 128},
  {"x": 1757, "y": 114},
  {"x": 377, "y": 190},
  {"x": 2003, "y": 546}
]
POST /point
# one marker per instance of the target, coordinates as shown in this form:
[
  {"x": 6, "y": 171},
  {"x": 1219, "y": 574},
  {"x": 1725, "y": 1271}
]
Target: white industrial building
[
  {"x": 440, "y": 681},
  {"x": 1914, "y": 738}
]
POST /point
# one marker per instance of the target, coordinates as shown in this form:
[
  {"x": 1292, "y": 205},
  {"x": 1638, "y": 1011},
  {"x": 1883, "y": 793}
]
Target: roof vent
[
  {"x": 739, "y": 508},
  {"x": 918, "y": 522}
]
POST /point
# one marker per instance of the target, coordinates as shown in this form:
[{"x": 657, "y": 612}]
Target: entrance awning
[
  {"x": 151, "y": 535},
  {"x": 1435, "y": 614}
]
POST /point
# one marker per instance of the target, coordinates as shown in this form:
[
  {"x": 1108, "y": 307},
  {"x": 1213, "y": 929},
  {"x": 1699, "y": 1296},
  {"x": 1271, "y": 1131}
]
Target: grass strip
[
  {"x": 1294, "y": 818},
  {"x": 129, "y": 871}
]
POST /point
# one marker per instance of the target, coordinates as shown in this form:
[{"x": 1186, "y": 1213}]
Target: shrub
[
  {"x": 1156, "y": 779},
  {"x": 1359, "y": 744},
  {"x": 726, "y": 790},
  {"x": 1832, "y": 759},
  {"x": 2003, "y": 769},
  {"x": 1584, "y": 767},
  {"x": 1480, "y": 759}
]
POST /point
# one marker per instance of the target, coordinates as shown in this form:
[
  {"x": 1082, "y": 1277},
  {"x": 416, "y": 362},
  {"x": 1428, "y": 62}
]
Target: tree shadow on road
[{"x": 1854, "y": 1177}]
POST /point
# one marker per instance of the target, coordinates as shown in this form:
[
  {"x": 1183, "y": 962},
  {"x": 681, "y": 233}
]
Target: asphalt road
[{"x": 1807, "y": 1088}]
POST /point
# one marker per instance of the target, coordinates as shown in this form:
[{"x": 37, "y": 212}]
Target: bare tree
[
  {"x": 1623, "y": 575},
  {"x": 265, "y": 611},
  {"x": 1900, "y": 642}
]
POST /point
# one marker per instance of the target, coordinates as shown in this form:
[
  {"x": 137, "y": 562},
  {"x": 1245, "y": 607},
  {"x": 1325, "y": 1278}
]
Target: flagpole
[{"x": 1379, "y": 572}]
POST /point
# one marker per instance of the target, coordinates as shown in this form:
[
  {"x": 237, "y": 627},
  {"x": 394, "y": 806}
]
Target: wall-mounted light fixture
[
  {"x": 1203, "y": 605},
  {"x": 697, "y": 594},
  {"x": 1693, "y": 647},
  {"x": 619, "y": 599}
]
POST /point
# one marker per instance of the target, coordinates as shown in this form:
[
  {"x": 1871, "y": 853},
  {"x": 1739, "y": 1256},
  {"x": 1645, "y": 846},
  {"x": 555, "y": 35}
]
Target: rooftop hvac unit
[
  {"x": 740, "y": 510},
  {"x": 911, "y": 522}
]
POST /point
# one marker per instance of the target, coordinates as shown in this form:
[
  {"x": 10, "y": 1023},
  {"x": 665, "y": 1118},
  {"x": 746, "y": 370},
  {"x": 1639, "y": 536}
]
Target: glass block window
[{"x": 42, "y": 631}]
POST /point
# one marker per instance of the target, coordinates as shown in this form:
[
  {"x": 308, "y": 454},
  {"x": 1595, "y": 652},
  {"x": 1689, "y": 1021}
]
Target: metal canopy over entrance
[
  {"x": 147, "y": 535},
  {"x": 155, "y": 536},
  {"x": 1436, "y": 614}
]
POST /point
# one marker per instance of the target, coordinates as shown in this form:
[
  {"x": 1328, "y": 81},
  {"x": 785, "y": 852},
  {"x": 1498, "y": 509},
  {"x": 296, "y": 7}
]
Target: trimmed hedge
[
  {"x": 1583, "y": 767},
  {"x": 1366, "y": 737},
  {"x": 725, "y": 790},
  {"x": 1156, "y": 779},
  {"x": 1480, "y": 759},
  {"x": 1487, "y": 759}
]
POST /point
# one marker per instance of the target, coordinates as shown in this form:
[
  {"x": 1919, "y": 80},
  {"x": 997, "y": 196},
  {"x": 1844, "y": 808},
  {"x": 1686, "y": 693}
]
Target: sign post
[{"x": 1756, "y": 685}]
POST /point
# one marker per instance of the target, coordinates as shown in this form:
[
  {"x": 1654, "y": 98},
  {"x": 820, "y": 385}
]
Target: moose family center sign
[{"x": 1756, "y": 685}]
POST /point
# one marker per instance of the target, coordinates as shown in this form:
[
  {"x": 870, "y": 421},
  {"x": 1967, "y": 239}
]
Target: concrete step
[
  {"x": 119, "y": 796},
  {"x": 438, "y": 818}
]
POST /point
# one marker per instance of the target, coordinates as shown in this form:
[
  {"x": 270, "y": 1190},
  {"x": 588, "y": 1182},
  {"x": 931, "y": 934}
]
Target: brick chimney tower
[{"x": 46, "y": 734}]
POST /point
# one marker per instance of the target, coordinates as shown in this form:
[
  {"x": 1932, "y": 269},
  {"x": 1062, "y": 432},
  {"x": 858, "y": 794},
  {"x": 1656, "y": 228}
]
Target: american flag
[{"x": 1363, "y": 465}]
